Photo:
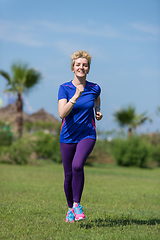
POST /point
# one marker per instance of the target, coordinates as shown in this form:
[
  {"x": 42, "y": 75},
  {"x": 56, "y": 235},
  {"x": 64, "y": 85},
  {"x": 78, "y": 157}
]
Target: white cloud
[
  {"x": 19, "y": 33},
  {"x": 41, "y": 33},
  {"x": 88, "y": 29},
  {"x": 104, "y": 30},
  {"x": 147, "y": 28}
]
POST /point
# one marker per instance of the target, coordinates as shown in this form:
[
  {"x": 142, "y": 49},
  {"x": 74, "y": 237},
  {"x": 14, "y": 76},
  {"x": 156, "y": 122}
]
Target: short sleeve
[
  {"x": 62, "y": 93},
  {"x": 98, "y": 91}
]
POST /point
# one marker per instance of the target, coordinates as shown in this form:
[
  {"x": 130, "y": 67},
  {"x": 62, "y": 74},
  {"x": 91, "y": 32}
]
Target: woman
[{"x": 76, "y": 100}]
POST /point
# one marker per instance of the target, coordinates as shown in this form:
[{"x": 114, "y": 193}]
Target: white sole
[{"x": 80, "y": 219}]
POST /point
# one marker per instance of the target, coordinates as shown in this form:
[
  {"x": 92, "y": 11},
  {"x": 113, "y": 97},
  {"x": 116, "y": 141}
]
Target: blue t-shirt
[{"x": 80, "y": 122}]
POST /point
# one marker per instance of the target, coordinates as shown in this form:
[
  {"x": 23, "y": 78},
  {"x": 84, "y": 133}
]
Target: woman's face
[{"x": 80, "y": 67}]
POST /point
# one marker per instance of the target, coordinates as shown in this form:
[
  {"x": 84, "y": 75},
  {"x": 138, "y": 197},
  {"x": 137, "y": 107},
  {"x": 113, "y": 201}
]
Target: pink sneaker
[
  {"x": 78, "y": 211},
  {"x": 70, "y": 216}
]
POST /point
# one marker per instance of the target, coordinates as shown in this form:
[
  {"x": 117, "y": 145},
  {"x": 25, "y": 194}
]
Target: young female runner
[{"x": 77, "y": 101}]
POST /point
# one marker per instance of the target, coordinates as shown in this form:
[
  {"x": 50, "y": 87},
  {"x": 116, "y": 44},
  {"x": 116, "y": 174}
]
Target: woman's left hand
[{"x": 98, "y": 115}]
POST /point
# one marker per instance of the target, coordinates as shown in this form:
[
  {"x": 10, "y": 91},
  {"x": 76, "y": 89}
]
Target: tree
[
  {"x": 128, "y": 117},
  {"x": 22, "y": 79}
]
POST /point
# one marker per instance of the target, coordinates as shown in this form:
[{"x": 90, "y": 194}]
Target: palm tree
[
  {"x": 128, "y": 117},
  {"x": 140, "y": 119},
  {"x": 21, "y": 80}
]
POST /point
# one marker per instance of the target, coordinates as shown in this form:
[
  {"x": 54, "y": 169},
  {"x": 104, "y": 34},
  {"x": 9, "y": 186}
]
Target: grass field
[{"x": 119, "y": 203}]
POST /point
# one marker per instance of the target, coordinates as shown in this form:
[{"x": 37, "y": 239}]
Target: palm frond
[
  {"x": 6, "y": 75},
  {"x": 19, "y": 71},
  {"x": 22, "y": 78},
  {"x": 33, "y": 78},
  {"x": 9, "y": 90},
  {"x": 125, "y": 116},
  {"x": 140, "y": 119}
]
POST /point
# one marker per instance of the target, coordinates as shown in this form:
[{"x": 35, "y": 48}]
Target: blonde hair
[{"x": 80, "y": 54}]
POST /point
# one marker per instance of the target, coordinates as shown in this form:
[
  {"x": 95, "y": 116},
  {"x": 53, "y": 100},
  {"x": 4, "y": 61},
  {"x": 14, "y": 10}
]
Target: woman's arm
[
  {"x": 64, "y": 107},
  {"x": 97, "y": 103}
]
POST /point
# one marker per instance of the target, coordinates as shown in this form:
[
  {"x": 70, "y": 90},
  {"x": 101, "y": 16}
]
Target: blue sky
[{"x": 123, "y": 38}]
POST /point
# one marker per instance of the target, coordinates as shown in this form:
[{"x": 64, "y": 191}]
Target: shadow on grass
[{"x": 107, "y": 222}]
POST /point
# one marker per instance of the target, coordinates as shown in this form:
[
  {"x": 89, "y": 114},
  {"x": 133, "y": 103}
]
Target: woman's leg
[
  {"x": 83, "y": 149},
  {"x": 67, "y": 152}
]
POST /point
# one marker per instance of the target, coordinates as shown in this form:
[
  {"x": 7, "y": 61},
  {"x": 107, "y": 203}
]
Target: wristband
[
  {"x": 98, "y": 108},
  {"x": 72, "y": 101}
]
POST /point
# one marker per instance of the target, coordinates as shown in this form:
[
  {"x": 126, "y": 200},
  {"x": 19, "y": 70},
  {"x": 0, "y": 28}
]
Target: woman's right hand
[{"x": 79, "y": 90}]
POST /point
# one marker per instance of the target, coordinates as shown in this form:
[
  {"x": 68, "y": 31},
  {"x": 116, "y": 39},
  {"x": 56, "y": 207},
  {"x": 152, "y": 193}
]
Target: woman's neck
[{"x": 78, "y": 81}]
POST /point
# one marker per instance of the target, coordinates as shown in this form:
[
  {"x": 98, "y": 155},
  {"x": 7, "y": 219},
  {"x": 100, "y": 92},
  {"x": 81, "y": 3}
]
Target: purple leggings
[{"x": 74, "y": 156}]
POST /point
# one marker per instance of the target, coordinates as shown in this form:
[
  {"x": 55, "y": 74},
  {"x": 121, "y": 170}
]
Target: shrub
[
  {"x": 41, "y": 125},
  {"x": 30, "y": 148},
  {"x": 48, "y": 147},
  {"x": 156, "y": 154},
  {"x": 18, "y": 153},
  {"x": 5, "y": 135},
  {"x": 153, "y": 141},
  {"x": 130, "y": 152},
  {"x": 101, "y": 152}
]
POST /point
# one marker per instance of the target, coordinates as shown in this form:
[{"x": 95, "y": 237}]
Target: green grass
[{"x": 119, "y": 203}]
